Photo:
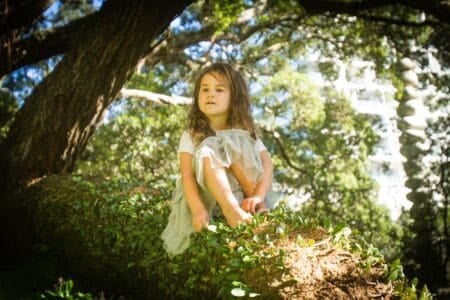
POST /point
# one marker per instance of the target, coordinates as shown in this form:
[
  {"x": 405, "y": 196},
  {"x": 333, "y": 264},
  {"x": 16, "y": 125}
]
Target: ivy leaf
[
  {"x": 238, "y": 292},
  {"x": 253, "y": 295},
  {"x": 212, "y": 228}
]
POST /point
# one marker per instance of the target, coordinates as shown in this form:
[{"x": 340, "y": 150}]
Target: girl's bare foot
[
  {"x": 236, "y": 215},
  {"x": 261, "y": 208}
]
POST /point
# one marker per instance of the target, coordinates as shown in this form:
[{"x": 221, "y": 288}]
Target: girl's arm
[
  {"x": 200, "y": 217},
  {"x": 262, "y": 187}
]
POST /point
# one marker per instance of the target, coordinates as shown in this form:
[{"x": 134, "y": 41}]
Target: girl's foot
[
  {"x": 261, "y": 209},
  {"x": 236, "y": 215}
]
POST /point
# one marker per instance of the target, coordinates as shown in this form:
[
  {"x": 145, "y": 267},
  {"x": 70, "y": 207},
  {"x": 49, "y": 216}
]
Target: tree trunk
[{"x": 56, "y": 121}]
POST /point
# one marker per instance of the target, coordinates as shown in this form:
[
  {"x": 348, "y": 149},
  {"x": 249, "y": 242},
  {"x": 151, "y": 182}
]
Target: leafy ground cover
[{"x": 108, "y": 236}]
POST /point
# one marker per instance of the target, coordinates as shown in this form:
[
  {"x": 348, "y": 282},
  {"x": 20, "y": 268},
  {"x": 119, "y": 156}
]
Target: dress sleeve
[
  {"x": 186, "y": 144},
  {"x": 259, "y": 146}
]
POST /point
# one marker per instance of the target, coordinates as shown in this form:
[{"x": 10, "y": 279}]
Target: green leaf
[
  {"x": 235, "y": 262},
  {"x": 212, "y": 228},
  {"x": 238, "y": 292}
]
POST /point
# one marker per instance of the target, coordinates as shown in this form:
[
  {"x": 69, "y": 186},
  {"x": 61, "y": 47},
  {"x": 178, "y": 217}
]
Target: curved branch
[
  {"x": 282, "y": 149},
  {"x": 154, "y": 97}
]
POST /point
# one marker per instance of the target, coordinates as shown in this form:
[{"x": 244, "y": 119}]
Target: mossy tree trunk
[{"x": 108, "y": 233}]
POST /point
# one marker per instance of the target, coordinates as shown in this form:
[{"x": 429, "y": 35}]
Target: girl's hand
[
  {"x": 251, "y": 203},
  {"x": 200, "y": 220}
]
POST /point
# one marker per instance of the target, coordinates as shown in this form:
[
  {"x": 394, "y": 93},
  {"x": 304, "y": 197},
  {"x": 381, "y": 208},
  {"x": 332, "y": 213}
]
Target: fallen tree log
[{"x": 108, "y": 236}]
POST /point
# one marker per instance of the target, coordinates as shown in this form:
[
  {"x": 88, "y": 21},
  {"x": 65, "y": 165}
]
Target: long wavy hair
[{"x": 239, "y": 115}]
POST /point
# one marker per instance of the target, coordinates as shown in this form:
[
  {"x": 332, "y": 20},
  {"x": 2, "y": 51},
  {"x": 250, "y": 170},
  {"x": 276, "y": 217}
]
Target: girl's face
[{"x": 214, "y": 96}]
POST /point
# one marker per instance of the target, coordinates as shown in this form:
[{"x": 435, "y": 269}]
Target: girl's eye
[
  {"x": 204, "y": 90},
  {"x": 219, "y": 90}
]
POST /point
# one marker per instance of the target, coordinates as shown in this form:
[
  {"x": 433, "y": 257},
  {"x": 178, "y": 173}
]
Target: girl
[{"x": 225, "y": 168}]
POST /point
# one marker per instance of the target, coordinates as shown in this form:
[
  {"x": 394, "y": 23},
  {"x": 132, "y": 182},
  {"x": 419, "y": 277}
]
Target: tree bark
[{"x": 56, "y": 121}]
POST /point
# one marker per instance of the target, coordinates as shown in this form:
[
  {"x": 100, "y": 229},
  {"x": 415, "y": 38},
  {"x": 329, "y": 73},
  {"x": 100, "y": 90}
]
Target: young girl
[{"x": 225, "y": 168}]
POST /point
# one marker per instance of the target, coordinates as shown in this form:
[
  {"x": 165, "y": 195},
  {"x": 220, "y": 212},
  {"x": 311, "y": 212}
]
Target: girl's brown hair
[{"x": 239, "y": 116}]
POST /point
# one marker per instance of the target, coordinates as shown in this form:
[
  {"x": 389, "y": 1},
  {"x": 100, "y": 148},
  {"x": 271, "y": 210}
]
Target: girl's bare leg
[
  {"x": 217, "y": 182},
  {"x": 247, "y": 186}
]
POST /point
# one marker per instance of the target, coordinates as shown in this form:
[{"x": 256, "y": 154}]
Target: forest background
[{"x": 67, "y": 64}]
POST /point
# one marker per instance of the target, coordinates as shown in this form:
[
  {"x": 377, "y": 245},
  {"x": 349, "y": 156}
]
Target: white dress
[{"x": 225, "y": 148}]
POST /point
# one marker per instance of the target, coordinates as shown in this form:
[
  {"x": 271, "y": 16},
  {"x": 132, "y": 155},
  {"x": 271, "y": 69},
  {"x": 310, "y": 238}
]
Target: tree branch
[
  {"x": 283, "y": 151},
  {"x": 13, "y": 17},
  {"x": 171, "y": 49},
  {"x": 154, "y": 97},
  {"x": 393, "y": 21},
  {"x": 40, "y": 46},
  {"x": 438, "y": 9}
]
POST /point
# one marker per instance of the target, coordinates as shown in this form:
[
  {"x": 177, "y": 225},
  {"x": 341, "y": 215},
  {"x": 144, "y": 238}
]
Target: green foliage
[
  {"x": 292, "y": 96},
  {"x": 152, "y": 81},
  {"x": 139, "y": 144},
  {"x": 64, "y": 290},
  {"x": 217, "y": 261},
  {"x": 225, "y": 13},
  {"x": 320, "y": 145},
  {"x": 404, "y": 287},
  {"x": 407, "y": 289},
  {"x": 322, "y": 134},
  {"x": 8, "y": 107},
  {"x": 221, "y": 257},
  {"x": 117, "y": 225}
]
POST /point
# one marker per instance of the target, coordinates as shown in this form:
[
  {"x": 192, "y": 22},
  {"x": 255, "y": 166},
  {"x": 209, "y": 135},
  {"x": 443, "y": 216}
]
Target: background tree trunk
[{"x": 56, "y": 121}]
